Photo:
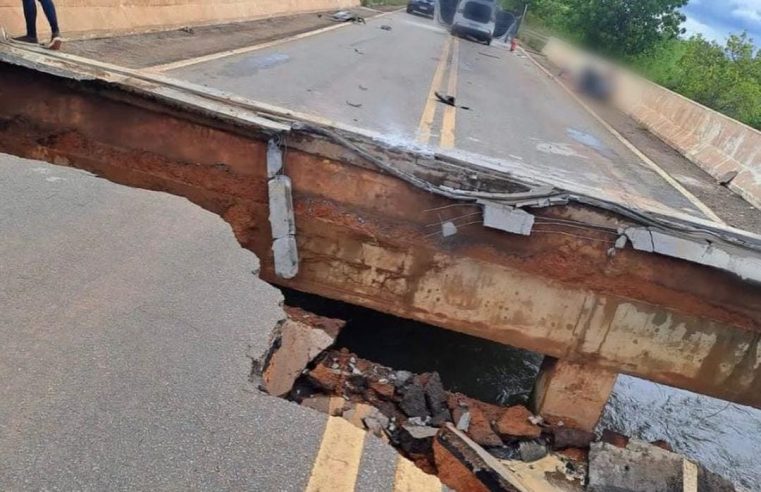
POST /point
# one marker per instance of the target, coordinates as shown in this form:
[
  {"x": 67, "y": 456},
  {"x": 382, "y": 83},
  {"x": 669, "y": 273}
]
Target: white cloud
[
  {"x": 747, "y": 14},
  {"x": 749, "y": 10},
  {"x": 696, "y": 27}
]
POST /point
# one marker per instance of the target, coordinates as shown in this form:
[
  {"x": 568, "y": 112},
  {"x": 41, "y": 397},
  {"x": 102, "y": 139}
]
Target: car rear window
[{"x": 477, "y": 12}]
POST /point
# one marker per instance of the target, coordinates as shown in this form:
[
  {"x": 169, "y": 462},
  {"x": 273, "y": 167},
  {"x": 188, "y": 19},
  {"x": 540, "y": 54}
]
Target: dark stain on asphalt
[{"x": 252, "y": 65}]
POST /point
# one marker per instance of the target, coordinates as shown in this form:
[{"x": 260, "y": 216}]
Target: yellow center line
[
  {"x": 448, "y": 122},
  {"x": 337, "y": 462},
  {"x": 410, "y": 478},
  {"x": 429, "y": 111},
  {"x": 689, "y": 476}
]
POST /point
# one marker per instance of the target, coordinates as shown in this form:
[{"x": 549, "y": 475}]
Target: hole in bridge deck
[{"x": 481, "y": 369}]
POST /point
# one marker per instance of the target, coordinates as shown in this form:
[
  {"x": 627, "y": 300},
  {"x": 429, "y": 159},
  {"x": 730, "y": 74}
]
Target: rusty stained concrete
[
  {"x": 573, "y": 393},
  {"x": 371, "y": 239}
]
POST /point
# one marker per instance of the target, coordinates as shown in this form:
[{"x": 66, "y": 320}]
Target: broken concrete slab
[
  {"x": 507, "y": 218},
  {"x": 551, "y": 473},
  {"x": 454, "y": 446},
  {"x": 413, "y": 402},
  {"x": 480, "y": 429},
  {"x": 297, "y": 344},
  {"x": 436, "y": 398},
  {"x": 643, "y": 467},
  {"x": 329, "y": 405},
  {"x": 533, "y": 450},
  {"x": 515, "y": 422},
  {"x": 568, "y": 437},
  {"x": 453, "y": 472},
  {"x": 481, "y": 417},
  {"x": 326, "y": 377}
]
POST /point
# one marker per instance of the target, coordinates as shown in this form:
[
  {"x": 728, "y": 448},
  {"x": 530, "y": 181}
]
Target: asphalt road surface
[
  {"x": 127, "y": 322},
  {"x": 384, "y": 80}
]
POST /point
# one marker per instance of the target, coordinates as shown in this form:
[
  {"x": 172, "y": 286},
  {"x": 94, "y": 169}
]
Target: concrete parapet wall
[
  {"x": 81, "y": 18},
  {"x": 716, "y": 143}
]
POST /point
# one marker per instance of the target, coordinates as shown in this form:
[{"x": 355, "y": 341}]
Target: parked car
[
  {"x": 475, "y": 19},
  {"x": 425, "y": 7}
]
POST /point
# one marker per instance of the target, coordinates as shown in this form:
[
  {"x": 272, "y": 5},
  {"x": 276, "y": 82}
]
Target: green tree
[
  {"x": 624, "y": 27},
  {"x": 550, "y": 13},
  {"x": 661, "y": 63},
  {"x": 725, "y": 78}
]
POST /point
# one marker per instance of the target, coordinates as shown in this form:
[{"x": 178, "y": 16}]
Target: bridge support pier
[{"x": 574, "y": 393}]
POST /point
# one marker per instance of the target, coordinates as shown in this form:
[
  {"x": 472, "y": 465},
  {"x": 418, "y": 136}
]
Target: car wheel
[
  {"x": 488, "y": 42},
  {"x": 409, "y": 9}
]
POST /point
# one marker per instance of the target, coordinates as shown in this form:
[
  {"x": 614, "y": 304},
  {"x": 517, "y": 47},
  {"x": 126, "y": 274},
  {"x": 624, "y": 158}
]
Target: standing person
[{"x": 30, "y": 15}]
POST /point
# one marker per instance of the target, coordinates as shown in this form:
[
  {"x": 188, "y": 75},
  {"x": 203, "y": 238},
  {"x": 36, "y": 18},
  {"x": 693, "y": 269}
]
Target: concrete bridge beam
[
  {"x": 369, "y": 238},
  {"x": 573, "y": 393}
]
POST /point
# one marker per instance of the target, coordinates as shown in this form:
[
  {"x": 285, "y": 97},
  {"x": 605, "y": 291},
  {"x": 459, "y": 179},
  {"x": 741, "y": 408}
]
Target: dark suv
[{"x": 425, "y": 7}]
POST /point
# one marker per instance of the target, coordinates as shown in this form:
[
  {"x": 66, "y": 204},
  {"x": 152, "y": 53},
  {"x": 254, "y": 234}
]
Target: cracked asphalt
[{"x": 127, "y": 321}]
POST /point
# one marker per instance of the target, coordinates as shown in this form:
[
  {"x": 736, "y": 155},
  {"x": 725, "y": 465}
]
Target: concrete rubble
[
  {"x": 644, "y": 467},
  {"x": 442, "y": 432},
  {"x": 469, "y": 444},
  {"x": 301, "y": 338}
]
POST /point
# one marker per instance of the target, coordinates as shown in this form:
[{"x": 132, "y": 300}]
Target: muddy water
[{"x": 724, "y": 437}]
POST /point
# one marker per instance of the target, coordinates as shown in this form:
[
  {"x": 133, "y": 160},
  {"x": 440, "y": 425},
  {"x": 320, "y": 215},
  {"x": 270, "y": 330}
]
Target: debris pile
[
  {"x": 469, "y": 444},
  {"x": 348, "y": 16},
  {"x": 411, "y": 410}
]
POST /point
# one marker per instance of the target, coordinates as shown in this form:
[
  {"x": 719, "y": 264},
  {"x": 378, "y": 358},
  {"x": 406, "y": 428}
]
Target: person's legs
[
  {"x": 49, "y": 8},
  {"x": 30, "y": 15}
]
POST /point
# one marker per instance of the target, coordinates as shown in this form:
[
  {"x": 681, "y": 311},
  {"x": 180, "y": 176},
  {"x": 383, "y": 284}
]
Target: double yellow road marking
[
  {"x": 410, "y": 478},
  {"x": 449, "y": 60},
  {"x": 450, "y": 112},
  {"x": 337, "y": 463}
]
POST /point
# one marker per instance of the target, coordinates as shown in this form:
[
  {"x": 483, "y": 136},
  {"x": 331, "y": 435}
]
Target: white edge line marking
[
  {"x": 247, "y": 49},
  {"x": 650, "y": 163}
]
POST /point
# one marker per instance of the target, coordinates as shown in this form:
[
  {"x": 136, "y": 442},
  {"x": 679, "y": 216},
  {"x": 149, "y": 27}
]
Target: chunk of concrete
[
  {"x": 640, "y": 467},
  {"x": 286, "y": 257},
  {"x": 274, "y": 158},
  {"x": 508, "y": 219},
  {"x": 417, "y": 439},
  {"x": 465, "y": 465},
  {"x": 514, "y": 422},
  {"x": 298, "y": 344},
  {"x": 413, "y": 401},
  {"x": 330, "y": 405},
  {"x": 568, "y": 437},
  {"x": 532, "y": 450},
  {"x": 281, "y": 217},
  {"x": 283, "y": 225}
]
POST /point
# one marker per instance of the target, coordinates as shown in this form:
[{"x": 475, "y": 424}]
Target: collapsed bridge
[{"x": 487, "y": 248}]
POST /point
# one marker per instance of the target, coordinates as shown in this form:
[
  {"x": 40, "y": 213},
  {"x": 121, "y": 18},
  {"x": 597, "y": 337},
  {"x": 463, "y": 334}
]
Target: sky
[{"x": 717, "y": 19}]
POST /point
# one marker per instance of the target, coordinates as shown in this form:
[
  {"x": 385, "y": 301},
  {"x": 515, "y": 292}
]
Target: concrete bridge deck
[
  {"x": 384, "y": 81},
  {"x": 681, "y": 307}
]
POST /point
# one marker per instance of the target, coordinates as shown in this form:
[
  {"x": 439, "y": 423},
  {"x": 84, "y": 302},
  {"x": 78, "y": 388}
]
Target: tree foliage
[
  {"x": 646, "y": 34},
  {"x": 624, "y": 27},
  {"x": 726, "y": 77}
]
